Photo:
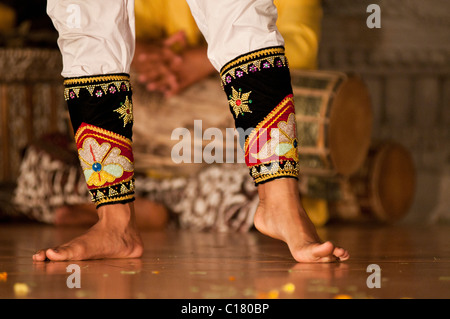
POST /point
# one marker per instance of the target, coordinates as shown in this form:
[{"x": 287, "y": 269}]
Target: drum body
[
  {"x": 385, "y": 185},
  {"x": 334, "y": 121},
  {"x": 383, "y": 188}
]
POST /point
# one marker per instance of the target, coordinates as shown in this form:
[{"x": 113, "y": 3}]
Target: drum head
[{"x": 350, "y": 127}]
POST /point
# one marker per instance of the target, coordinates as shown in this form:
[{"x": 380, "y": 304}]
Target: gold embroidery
[
  {"x": 90, "y": 88},
  {"x": 123, "y": 189},
  {"x": 239, "y": 101},
  {"x": 253, "y": 55},
  {"x": 246, "y": 67},
  {"x": 93, "y": 79},
  {"x": 116, "y": 199},
  {"x": 103, "y": 195},
  {"x": 126, "y": 111},
  {"x": 101, "y": 164},
  {"x": 274, "y": 170},
  {"x": 125, "y": 141}
]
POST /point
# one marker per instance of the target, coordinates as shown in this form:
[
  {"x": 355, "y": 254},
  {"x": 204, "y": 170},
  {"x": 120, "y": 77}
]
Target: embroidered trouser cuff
[
  {"x": 101, "y": 113},
  {"x": 258, "y": 87}
]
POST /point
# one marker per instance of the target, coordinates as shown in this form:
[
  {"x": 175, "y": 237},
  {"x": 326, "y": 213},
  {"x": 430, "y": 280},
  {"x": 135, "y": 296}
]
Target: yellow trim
[
  {"x": 267, "y": 177},
  {"x": 123, "y": 139},
  {"x": 94, "y": 79},
  {"x": 272, "y": 161},
  {"x": 260, "y": 177},
  {"x": 113, "y": 200},
  {"x": 252, "y": 55}
]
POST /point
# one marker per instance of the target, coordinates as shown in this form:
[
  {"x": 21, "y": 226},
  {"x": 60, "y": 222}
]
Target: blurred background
[{"x": 405, "y": 67}]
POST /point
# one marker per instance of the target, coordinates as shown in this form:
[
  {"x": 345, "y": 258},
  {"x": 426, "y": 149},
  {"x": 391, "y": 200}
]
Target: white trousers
[{"x": 98, "y": 37}]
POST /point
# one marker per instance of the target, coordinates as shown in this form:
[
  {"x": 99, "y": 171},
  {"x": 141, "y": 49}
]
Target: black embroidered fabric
[
  {"x": 86, "y": 106},
  {"x": 264, "y": 73},
  {"x": 104, "y": 101}
]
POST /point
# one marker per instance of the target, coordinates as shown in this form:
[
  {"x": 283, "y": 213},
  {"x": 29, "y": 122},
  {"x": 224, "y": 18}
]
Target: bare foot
[
  {"x": 280, "y": 215},
  {"x": 115, "y": 235}
]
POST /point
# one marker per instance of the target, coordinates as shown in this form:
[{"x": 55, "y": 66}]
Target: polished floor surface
[{"x": 410, "y": 262}]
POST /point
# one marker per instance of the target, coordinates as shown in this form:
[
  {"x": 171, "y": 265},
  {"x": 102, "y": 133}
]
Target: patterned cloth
[
  {"x": 258, "y": 85},
  {"x": 220, "y": 198},
  {"x": 50, "y": 177},
  {"x": 101, "y": 112}
]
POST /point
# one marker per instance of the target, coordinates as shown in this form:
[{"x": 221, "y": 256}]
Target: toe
[
  {"x": 39, "y": 256},
  {"x": 345, "y": 256},
  {"x": 58, "y": 254},
  {"x": 341, "y": 253},
  {"x": 316, "y": 253},
  {"x": 323, "y": 250}
]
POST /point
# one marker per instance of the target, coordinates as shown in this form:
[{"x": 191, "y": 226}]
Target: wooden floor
[{"x": 414, "y": 263}]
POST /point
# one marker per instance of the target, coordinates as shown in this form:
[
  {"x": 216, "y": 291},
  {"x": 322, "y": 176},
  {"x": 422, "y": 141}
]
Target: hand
[
  {"x": 161, "y": 68},
  {"x": 154, "y": 63}
]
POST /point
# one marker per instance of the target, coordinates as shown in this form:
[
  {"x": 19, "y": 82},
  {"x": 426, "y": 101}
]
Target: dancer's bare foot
[
  {"x": 115, "y": 235},
  {"x": 280, "y": 215}
]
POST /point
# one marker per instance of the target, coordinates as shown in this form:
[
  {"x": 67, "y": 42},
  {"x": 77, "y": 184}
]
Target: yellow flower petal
[{"x": 100, "y": 179}]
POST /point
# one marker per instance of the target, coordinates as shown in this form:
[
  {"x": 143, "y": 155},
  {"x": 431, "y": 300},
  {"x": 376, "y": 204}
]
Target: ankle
[
  {"x": 118, "y": 216},
  {"x": 278, "y": 189}
]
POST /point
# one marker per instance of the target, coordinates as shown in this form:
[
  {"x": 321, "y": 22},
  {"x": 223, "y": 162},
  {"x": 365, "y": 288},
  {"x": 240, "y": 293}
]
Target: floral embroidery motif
[
  {"x": 271, "y": 150},
  {"x": 126, "y": 111},
  {"x": 239, "y": 101},
  {"x": 239, "y": 73},
  {"x": 107, "y": 161},
  {"x": 283, "y": 141},
  {"x": 102, "y": 163}
]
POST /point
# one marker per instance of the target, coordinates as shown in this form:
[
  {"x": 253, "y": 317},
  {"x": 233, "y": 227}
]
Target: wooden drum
[
  {"x": 385, "y": 185},
  {"x": 382, "y": 189},
  {"x": 334, "y": 121}
]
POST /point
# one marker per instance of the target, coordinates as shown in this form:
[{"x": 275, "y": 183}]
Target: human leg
[
  {"x": 246, "y": 48},
  {"x": 96, "y": 39}
]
